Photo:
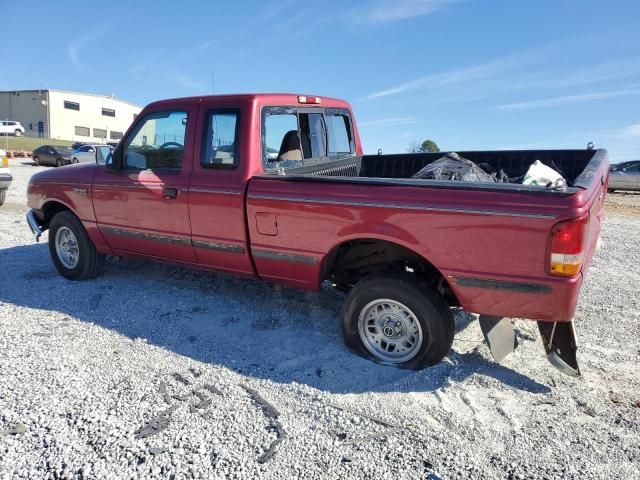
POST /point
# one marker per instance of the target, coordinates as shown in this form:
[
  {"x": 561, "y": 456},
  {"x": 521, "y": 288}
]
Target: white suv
[{"x": 9, "y": 127}]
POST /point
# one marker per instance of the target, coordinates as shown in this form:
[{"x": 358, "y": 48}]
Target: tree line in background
[{"x": 428, "y": 146}]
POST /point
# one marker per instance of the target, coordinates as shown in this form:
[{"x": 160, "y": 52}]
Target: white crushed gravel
[{"x": 87, "y": 369}]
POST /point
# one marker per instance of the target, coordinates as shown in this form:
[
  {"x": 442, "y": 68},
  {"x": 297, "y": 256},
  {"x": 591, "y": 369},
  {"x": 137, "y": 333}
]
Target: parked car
[
  {"x": 5, "y": 179},
  {"x": 625, "y": 176},
  {"x": 57, "y": 155},
  {"x": 207, "y": 193},
  {"x": 91, "y": 154},
  {"x": 10, "y": 127}
]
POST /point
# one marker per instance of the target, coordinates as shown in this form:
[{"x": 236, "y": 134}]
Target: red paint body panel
[{"x": 246, "y": 223}]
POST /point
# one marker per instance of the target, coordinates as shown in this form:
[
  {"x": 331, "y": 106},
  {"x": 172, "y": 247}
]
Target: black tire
[
  {"x": 430, "y": 308},
  {"x": 90, "y": 262},
  {"x": 36, "y": 160},
  {"x": 18, "y": 133},
  {"x": 59, "y": 162},
  {"x": 3, "y": 196},
  {"x": 610, "y": 190},
  {"x": 75, "y": 160}
]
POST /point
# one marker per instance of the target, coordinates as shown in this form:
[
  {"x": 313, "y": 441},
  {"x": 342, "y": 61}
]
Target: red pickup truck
[{"x": 276, "y": 187}]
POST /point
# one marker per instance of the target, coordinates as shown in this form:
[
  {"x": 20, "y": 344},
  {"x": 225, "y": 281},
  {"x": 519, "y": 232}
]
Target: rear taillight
[{"x": 567, "y": 245}]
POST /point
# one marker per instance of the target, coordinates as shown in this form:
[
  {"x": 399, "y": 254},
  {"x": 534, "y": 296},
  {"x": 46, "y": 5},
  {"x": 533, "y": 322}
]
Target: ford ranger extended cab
[{"x": 276, "y": 187}]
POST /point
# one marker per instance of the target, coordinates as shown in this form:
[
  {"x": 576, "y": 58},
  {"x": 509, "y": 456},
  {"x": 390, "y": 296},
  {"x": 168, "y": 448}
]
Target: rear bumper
[
  {"x": 551, "y": 300},
  {"x": 35, "y": 224}
]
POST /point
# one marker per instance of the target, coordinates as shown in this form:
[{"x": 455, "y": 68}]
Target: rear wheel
[
  {"x": 610, "y": 190},
  {"x": 396, "y": 319},
  {"x": 18, "y": 133},
  {"x": 59, "y": 162},
  {"x": 3, "y": 196},
  {"x": 71, "y": 249}
]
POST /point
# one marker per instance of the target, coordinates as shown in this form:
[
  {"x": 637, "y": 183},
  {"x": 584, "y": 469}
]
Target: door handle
[{"x": 170, "y": 192}]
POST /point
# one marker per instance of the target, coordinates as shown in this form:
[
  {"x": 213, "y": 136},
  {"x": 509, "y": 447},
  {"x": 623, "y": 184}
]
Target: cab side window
[
  {"x": 339, "y": 134},
  {"x": 220, "y": 148},
  {"x": 157, "y": 142}
]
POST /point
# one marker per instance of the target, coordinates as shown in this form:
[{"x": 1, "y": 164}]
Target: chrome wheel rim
[
  {"x": 67, "y": 248},
  {"x": 390, "y": 331}
]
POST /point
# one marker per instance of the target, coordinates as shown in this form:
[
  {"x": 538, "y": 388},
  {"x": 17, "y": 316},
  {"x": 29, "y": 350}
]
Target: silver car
[
  {"x": 91, "y": 154},
  {"x": 625, "y": 176}
]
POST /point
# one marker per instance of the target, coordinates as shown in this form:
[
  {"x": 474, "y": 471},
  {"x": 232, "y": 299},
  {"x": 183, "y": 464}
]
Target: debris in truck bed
[
  {"x": 541, "y": 175},
  {"x": 453, "y": 167}
]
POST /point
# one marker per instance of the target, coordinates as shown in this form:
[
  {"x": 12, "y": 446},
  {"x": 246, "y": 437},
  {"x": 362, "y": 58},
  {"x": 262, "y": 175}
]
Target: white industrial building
[{"x": 58, "y": 114}]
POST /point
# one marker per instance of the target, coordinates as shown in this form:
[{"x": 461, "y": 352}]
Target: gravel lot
[{"x": 154, "y": 371}]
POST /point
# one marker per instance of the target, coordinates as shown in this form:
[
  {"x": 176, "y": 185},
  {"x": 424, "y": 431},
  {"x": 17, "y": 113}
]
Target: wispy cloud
[
  {"x": 190, "y": 83},
  {"x": 387, "y": 11},
  {"x": 275, "y": 8},
  {"x": 390, "y": 122},
  {"x": 473, "y": 73},
  {"x": 632, "y": 131},
  {"x": 140, "y": 69},
  {"x": 623, "y": 143},
  {"x": 519, "y": 71},
  {"x": 568, "y": 99},
  {"x": 78, "y": 43}
]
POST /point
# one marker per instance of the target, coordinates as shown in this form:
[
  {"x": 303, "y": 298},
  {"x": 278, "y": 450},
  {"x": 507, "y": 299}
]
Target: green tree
[{"x": 429, "y": 146}]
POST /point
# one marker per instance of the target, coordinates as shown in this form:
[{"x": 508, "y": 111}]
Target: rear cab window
[{"x": 297, "y": 136}]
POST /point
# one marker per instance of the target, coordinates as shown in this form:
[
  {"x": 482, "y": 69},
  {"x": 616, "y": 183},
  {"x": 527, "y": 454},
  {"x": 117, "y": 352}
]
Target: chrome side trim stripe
[
  {"x": 134, "y": 186},
  {"x": 399, "y": 206},
  {"x": 284, "y": 257},
  {"x": 146, "y": 236},
  {"x": 222, "y": 247},
  {"x": 521, "y": 287},
  {"x": 214, "y": 190}
]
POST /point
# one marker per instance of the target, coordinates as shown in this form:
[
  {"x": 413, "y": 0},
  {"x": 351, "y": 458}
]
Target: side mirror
[{"x": 113, "y": 161}]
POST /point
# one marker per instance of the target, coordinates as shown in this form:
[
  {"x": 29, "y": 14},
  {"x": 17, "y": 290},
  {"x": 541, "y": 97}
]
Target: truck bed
[
  {"x": 489, "y": 240},
  {"x": 576, "y": 166}
]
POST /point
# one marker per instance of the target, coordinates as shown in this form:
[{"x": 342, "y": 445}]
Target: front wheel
[
  {"x": 36, "y": 160},
  {"x": 59, "y": 162},
  {"x": 3, "y": 196},
  {"x": 396, "y": 319},
  {"x": 71, "y": 249},
  {"x": 75, "y": 160}
]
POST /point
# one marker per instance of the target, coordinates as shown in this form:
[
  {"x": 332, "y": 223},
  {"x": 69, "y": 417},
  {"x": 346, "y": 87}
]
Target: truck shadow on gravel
[{"x": 254, "y": 328}]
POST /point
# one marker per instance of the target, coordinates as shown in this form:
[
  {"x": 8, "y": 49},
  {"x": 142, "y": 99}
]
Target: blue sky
[{"x": 470, "y": 74}]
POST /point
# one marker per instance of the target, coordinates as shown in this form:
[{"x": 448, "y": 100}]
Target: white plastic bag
[{"x": 541, "y": 175}]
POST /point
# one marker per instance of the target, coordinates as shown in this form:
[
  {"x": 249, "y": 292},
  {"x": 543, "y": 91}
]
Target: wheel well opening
[
  {"x": 50, "y": 209},
  {"x": 346, "y": 264}
]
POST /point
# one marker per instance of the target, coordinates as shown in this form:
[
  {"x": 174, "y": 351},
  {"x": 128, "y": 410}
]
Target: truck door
[
  {"x": 144, "y": 207},
  {"x": 216, "y": 191}
]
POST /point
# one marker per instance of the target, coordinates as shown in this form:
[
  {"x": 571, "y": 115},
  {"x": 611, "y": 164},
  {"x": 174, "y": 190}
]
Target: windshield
[{"x": 64, "y": 150}]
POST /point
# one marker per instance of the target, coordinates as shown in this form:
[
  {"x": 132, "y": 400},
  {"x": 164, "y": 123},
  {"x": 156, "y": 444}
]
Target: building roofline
[{"x": 101, "y": 95}]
